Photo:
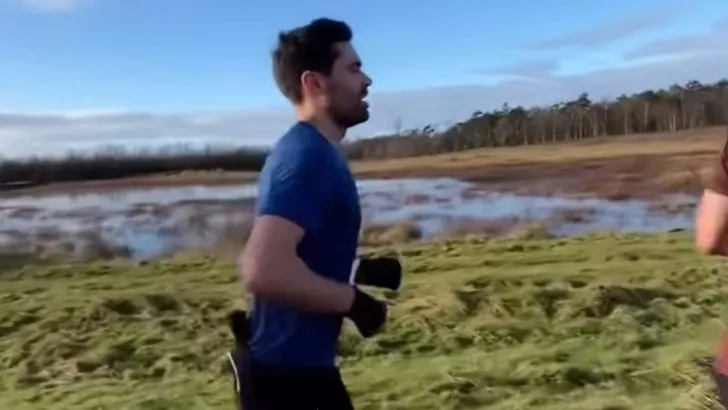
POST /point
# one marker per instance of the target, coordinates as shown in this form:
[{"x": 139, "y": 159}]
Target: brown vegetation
[
  {"x": 376, "y": 234},
  {"x": 505, "y": 228},
  {"x": 615, "y": 168}
]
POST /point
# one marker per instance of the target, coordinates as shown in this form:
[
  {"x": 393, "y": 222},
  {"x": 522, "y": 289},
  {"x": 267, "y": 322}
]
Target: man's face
[{"x": 346, "y": 88}]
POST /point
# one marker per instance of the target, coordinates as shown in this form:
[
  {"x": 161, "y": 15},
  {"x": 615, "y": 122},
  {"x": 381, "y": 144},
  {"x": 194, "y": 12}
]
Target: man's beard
[{"x": 349, "y": 118}]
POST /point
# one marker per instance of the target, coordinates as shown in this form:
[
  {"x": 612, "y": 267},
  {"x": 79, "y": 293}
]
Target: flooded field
[{"x": 150, "y": 222}]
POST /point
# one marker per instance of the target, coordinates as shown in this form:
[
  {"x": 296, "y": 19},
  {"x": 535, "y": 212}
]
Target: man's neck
[{"x": 330, "y": 130}]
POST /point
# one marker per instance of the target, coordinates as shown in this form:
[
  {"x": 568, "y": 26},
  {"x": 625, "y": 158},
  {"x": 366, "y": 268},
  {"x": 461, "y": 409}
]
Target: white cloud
[
  {"x": 54, "y": 6},
  {"x": 711, "y": 42},
  {"x": 617, "y": 30},
  {"x": 24, "y": 134},
  {"x": 527, "y": 69},
  {"x": 536, "y": 82}
]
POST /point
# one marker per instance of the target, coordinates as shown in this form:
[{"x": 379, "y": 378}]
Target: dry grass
[
  {"x": 687, "y": 142},
  {"x": 611, "y": 168},
  {"x": 590, "y": 323},
  {"x": 375, "y": 235}
]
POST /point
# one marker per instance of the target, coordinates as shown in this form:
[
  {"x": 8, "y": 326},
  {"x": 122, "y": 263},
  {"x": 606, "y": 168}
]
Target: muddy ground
[{"x": 634, "y": 176}]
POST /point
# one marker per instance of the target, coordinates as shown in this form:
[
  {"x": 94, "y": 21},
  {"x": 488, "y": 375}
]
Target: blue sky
[{"x": 85, "y": 73}]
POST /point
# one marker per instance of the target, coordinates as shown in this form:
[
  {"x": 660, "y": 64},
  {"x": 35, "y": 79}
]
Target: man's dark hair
[{"x": 307, "y": 48}]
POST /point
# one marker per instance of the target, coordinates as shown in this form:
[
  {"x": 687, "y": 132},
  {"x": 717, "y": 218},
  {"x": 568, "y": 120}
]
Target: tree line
[
  {"x": 679, "y": 107},
  {"x": 115, "y": 162}
]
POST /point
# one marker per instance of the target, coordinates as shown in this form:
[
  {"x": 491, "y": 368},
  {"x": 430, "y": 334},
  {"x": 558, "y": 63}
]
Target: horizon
[{"x": 80, "y": 75}]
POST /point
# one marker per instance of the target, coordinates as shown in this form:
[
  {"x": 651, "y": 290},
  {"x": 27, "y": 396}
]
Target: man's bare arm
[
  {"x": 711, "y": 224},
  {"x": 271, "y": 269}
]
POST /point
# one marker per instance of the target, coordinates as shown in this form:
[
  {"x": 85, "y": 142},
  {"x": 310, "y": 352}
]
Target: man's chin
[
  {"x": 364, "y": 118},
  {"x": 354, "y": 121}
]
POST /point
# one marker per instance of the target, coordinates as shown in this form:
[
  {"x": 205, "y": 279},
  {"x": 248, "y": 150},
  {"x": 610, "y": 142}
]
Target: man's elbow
[{"x": 254, "y": 275}]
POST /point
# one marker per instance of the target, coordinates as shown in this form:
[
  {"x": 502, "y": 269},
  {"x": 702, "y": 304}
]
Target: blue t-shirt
[{"x": 307, "y": 180}]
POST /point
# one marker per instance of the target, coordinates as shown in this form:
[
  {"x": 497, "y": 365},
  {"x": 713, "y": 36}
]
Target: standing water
[{"x": 154, "y": 221}]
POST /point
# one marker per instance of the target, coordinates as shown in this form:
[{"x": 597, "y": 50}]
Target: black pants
[
  {"x": 259, "y": 387},
  {"x": 721, "y": 387}
]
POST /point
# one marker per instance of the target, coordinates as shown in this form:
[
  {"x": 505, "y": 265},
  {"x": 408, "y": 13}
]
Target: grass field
[{"x": 598, "y": 322}]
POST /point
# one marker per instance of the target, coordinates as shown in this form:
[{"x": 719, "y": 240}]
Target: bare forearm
[
  {"x": 295, "y": 284},
  {"x": 711, "y": 223}
]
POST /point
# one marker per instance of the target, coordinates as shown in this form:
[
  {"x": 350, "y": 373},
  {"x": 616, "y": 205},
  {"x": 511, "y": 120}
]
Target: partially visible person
[
  {"x": 711, "y": 225},
  {"x": 711, "y": 238},
  {"x": 297, "y": 263}
]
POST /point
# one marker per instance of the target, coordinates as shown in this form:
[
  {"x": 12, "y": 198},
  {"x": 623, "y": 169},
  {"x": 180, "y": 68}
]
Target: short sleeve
[{"x": 296, "y": 188}]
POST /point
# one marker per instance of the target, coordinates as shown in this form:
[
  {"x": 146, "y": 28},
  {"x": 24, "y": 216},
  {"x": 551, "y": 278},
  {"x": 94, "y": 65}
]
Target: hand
[
  {"x": 379, "y": 272},
  {"x": 367, "y": 313}
]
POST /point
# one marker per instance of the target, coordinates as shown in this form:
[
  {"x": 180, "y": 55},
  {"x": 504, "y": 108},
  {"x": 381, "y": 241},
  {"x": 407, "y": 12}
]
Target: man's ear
[{"x": 312, "y": 82}]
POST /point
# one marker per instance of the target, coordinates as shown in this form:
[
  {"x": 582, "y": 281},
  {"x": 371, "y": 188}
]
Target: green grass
[{"x": 598, "y": 322}]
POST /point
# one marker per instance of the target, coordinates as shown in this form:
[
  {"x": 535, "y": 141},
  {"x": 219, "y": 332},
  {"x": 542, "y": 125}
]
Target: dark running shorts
[{"x": 266, "y": 388}]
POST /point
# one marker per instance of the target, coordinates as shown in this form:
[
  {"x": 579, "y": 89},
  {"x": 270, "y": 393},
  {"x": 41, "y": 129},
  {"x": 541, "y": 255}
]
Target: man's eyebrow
[{"x": 355, "y": 64}]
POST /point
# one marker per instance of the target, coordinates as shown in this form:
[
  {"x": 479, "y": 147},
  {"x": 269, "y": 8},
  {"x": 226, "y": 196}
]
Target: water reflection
[
  {"x": 597, "y": 214},
  {"x": 153, "y": 221}
]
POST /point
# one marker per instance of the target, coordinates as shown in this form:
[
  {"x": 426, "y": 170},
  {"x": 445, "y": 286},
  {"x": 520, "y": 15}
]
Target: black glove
[
  {"x": 240, "y": 326},
  {"x": 367, "y": 313},
  {"x": 379, "y": 272}
]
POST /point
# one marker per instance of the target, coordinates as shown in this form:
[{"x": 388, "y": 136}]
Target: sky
[{"x": 81, "y": 74}]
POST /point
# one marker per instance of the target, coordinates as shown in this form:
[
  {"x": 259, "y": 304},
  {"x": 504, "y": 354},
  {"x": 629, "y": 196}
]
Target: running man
[
  {"x": 298, "y": 261},
  {"x": 711, "y": 238}
]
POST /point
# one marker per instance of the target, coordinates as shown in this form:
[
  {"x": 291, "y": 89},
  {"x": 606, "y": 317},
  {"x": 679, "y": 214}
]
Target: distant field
[
  {"x": 611, "y": 167},
  {"x": 693, "y": 142},
  {"x": 590, "y": 323}
]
